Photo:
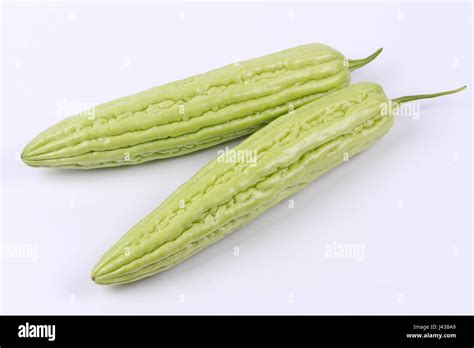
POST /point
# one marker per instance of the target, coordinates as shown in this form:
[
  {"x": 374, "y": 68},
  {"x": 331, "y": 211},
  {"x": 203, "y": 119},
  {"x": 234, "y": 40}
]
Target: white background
[{"x": 406, "y": 201}]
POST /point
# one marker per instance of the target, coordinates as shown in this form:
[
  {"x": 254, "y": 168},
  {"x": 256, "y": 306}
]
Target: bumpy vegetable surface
[
  {"x": 291, "y": 152},
  {"x": 195, "y": 113}
]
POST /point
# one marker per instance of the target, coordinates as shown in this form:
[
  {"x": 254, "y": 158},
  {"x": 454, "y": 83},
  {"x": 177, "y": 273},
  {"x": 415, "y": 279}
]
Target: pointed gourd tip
[
  {"x": 96, "y": 278},
  {"x": 26, "y": 155},
  {"x": 29, "y": 162},
  {"x": 24, "y": 152},
  {"x": 101, "y": 279},
  {"x": 98, "y": 273},
  {"x": 95, "y": 273},
  {"x": 25, "y": 158}
]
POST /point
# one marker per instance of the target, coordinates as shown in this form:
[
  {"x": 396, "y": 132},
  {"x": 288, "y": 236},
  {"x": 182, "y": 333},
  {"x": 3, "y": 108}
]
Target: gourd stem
[
  {"x": 410, "y": 98},
  {"x": 359, "y": 63}
]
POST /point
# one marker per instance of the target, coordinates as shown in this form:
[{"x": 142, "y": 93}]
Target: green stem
[
  {"x": 409, "y": 98},
  {"x": 359, "y": 63}
]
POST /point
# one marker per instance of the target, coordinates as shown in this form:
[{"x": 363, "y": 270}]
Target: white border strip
[
  {"x": 472, "y": 163},
  {"x": 232, "y": 1},
  {"x": 1, "y": 155}
]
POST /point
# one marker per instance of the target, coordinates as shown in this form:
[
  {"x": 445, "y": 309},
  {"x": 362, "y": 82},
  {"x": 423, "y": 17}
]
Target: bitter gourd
[
  {"x": 290, "y": 152},
  {"x": 194, "y": 113}
]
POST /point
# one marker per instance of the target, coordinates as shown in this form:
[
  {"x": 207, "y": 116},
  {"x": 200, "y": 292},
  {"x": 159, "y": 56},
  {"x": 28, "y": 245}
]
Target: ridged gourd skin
[
  {"x": 192, "y": 114},
  {"x": 291, "y": 152}
]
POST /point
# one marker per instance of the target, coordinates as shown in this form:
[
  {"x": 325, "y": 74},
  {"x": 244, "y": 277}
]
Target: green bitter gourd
[
  {"x": 290, "y": 152},
  {"x": 194, "y": 113}
]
